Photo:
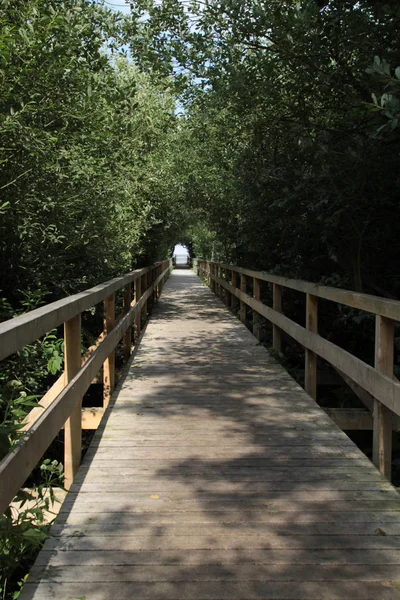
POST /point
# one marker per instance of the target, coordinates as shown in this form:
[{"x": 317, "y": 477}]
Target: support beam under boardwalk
[{"x": 214, "y": 476}]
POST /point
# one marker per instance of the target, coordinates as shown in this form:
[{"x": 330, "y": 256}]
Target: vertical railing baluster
[
  {"x": 143, "y": 288},
  {"x": 73, "y": 425},
  {"x": 256, "y": 316},
  {"x": 234, "y": 284},
  {"x": 243, "y": 288},
  {"x": 109, "y": 363},
  {"x": 128, "y": 332},
  {"x": 138, "y": 293},
  {"x": 277, "y": 305},
  {"x": 384, "y": 358},
  {"x": 227, "y": 292},
  {"x": 311, "y": 359},
  {"x": 153, "y": 278}
]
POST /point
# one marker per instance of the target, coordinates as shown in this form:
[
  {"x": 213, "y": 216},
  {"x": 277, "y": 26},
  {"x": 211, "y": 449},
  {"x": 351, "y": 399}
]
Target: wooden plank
[
  {"x": 364, "y": 396},
  {"x": 22, "y": 330},
  {"x": 209, "y": 453},
  {"x": 377, "y": 384},
  {"x": 374, "y": 304},
  {"x": 277, "y": 306},
  {"x": 234, "y": 285},
  {"x": 72, "y": 427},
  {"x": 128, "y": 334},
  {"x": 227, "y": 294},
  {"x": 243, "y": 287},
  {"x": 209, "y": 518},
  {"x": 138, "y": 293},
  {"x": 310, "y": 377},
  {"x": 44, "y": 402},
  {"x": 189, "y": 558},
  {"x": 384, "y": 358},
  {"x": 214, "y": 476},
  {"x": 249, "y": 572},
  {"x": 91, "y": 417},
  {"x": 256, "y": 318},
  {"x": 216, "y": 590},
  {"x": 144, "y": 287},
  {"x": 303, "y": 542},
  {"x": 120, "y": 495},
  {"x": 139, "y": 483},
  {"x": 18, "y": 464},
  {"x": 109, "y": 363}
]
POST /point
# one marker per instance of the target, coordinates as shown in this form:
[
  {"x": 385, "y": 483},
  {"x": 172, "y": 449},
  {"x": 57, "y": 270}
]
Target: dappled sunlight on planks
[{"x": 214, "y": 476}]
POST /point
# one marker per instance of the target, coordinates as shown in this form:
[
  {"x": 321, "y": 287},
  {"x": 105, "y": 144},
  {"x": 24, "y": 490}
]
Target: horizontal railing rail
[
  {"x": 62, "y": 404},
  {"x": 231, "y": 282}
]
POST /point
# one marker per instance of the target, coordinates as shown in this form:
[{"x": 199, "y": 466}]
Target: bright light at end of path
[{"x": 181, "y": 254}]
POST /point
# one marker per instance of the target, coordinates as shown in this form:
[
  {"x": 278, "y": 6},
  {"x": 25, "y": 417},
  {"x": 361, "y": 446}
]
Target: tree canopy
[
  {"x": 291, "y": 114},
  {"x": 265, "y": 133}
]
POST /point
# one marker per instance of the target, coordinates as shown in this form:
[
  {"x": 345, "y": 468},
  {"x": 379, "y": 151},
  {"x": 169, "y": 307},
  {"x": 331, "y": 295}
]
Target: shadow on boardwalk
[{"x": 216, "y": 477}]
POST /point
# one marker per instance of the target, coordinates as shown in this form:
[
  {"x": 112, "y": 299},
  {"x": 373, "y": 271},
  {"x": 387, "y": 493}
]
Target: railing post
[
  {"x": 212, "y": 273},
  {"x": 311, "y": 359},
  {"x": 109, "y": 363},
  {"x": 73, "y": 425},
  {"x": 234, "y": 284},
  {"x": 384, "y": 356},
  {"x": 158, "y": 284},
  {"x": 153, "y": 278},
  {"x": 256, "y": 316},
  {"x": 227, "y": 292},
  {"x": 128, "y": 332},
  {"x": 277, "y": 305},
  {"x": 243, "y": 288},
  {"x": 143, "y": 288},
  {"x": 138, "y": 293}
]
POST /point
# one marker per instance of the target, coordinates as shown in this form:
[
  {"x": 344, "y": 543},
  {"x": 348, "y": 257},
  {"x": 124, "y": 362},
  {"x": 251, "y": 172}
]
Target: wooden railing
[
  {"x": 62, "y": 404},
  {"x": 378, "y": 383}
]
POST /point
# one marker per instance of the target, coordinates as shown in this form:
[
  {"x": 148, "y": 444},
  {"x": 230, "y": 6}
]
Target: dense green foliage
[
  {"x": 293, "y": 114},
  {"x": 284, "y": 154},
  {"x": 265, "y": 133},
  {"x": 81, "y": 130},
  {"x": 84, "y": 137}
]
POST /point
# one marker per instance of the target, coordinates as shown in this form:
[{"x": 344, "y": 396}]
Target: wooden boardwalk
[{"x": 214, "y": 476}]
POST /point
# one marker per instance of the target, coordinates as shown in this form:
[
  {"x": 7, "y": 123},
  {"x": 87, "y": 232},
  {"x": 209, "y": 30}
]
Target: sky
[
  {"x": 180, "y": 250},
  {"x": 118, "y": 5}
]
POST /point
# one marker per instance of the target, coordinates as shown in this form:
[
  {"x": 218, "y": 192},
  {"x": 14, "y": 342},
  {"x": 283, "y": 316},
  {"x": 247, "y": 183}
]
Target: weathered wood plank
[
  {"x": 73, "y": 425},
  {"x": 213, "y": 476},
  {"x": 216, "y": 590},
  {"x": 187, "y": 558},
  {"x": 211, "y": 572},
  {"x": 16, "y": 466},
  {"x": 22, "y": 330},
  {"x": 374, "y": 304},
  {"x": 207, "y": 541},
  {"x": 237, "y": 530},
  {"x": 244, "y": 516},
  {"x": 382, "y": 387}
]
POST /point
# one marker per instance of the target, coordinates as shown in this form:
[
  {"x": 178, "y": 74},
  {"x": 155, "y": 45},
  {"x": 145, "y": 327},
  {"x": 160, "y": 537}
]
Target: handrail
[
  {"x": 377, "y": 381},
  {"x": 62, "y": 403},
  {"x": 385, "y": 307},
  {"x": 20, "y": 331}
]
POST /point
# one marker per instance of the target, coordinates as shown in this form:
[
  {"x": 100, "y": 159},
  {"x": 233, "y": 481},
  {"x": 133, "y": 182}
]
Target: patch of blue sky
[
  {"x": 118, "y": 5},
  {"x": 181, "y": 251}
]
